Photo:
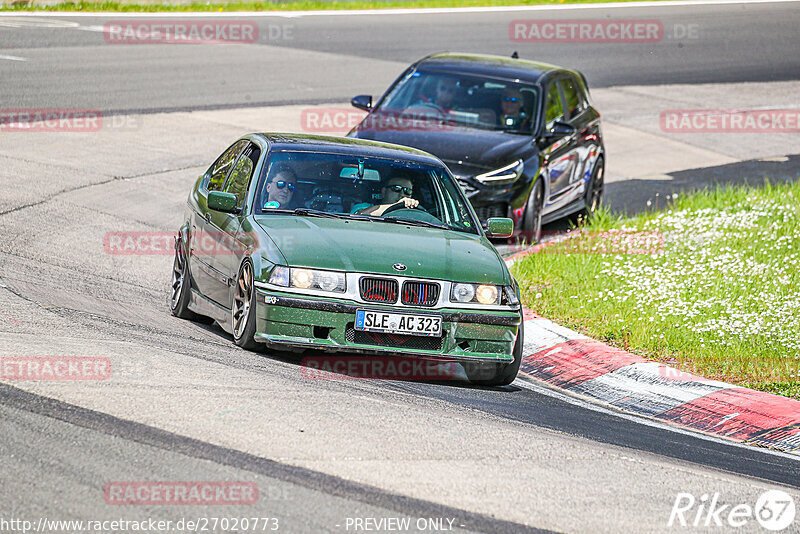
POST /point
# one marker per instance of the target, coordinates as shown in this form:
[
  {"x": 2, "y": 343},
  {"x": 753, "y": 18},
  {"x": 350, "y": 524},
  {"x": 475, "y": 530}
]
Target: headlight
[
  {"x": 480, "y": 293},
  {"x": 487, "y": 294},
  {"x": 279, "y": 276},
  {"x": 503, "y": 174},
  {"x": 330, "y": 281},
  {"x": 462, "y": 293}
]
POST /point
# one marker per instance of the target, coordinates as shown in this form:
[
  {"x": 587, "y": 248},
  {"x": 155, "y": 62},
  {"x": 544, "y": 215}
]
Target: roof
[
  {"x": 486, "y": 65},
  {"x": 345, "y": 145}
]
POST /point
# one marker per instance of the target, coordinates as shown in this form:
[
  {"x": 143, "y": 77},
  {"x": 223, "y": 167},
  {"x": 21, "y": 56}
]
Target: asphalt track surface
[
  {"x": 60, "y": 445},
  {"x": 329, "y": 59}
]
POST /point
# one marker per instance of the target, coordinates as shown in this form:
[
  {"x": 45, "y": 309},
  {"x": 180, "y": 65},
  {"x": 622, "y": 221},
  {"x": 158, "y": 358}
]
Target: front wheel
[
  {"x": 594, "y": 191},
  {"x": 494, "y": 374},
  {"x": 244, "y": 308},
  {"x": 181, "y": 285},
  {"x": 532, "y": 220}
]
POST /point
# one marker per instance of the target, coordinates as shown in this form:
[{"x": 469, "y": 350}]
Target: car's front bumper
[{"x": 288, "y": 320}]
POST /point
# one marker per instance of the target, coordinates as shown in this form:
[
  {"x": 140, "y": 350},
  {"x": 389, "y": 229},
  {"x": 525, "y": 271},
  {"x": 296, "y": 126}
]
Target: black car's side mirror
[
  {"x": 558, "y": 130},
  {"x": 225, "y": 202},
  {"x": 362, "y": 102}
]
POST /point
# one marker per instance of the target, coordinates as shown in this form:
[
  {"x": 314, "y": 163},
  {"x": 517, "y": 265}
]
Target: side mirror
[
  {"x": 362, "y": 102},
  {"x": 558, "y": 131},
  {"x": 499, "y": 227},
  {"x": 219, "y": 201}
]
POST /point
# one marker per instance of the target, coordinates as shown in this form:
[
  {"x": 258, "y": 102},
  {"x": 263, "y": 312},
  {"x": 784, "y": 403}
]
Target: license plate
[{"x": 399, "y": 323}]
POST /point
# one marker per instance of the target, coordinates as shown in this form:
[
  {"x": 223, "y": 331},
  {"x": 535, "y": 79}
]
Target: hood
[
  {"x": 485, "y": 149},
  {"x": 373, "y": 247}
]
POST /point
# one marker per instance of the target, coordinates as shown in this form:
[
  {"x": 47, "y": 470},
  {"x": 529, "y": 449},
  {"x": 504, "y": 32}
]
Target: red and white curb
[{"x": 586, "y": 367}]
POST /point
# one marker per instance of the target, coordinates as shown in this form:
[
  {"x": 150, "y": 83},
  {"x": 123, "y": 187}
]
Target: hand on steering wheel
[{"x": 404, "y": 204}]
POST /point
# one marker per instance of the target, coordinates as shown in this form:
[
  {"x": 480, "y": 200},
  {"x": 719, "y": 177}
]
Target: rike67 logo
[{"x": 774, "y": 510}]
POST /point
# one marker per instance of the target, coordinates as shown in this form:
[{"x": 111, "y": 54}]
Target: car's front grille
[
  {"x": 378, "y": 289},
  {"x": 420, "y": 294},
  {"x": 491, "y": 210},
  {"x": 393, "y": 340}
]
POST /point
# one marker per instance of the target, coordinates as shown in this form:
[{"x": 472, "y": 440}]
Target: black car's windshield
[
  {"x": 451, "y": 99},
  {"x": 317, "y": 184}
]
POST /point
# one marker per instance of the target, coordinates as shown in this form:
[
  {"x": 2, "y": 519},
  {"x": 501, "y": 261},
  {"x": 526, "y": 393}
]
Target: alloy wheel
[
  {"x": 178, "y": 276},
  {"x": 241, "y": 300},
  {"x": 596, "y": 193}
]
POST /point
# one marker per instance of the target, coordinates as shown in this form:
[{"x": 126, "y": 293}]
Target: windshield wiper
[
  {"x": 414, "y": 222},
  {"x": 319, "y": 213},
  {"x": 275, "y": 210}
]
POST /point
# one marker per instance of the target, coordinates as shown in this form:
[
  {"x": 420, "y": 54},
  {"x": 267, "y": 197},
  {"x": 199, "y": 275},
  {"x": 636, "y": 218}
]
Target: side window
[
  {"x": 572, "y": 96},
  {"x": 219, "y": 170},
  {"x": 553, "y": 108},
  {"x": 242, "y": 172}
]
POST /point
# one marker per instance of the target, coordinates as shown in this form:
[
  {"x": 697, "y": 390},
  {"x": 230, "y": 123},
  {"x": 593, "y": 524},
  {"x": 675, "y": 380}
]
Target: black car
[{"x": 521, "y": 137}]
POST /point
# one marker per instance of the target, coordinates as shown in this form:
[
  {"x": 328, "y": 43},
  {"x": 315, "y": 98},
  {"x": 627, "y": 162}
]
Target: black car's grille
[
  {"x": 492, "y": 210},
  {"x": 393, "y": 340},
  {"x": 420, "y": 294},
  {"x": 378, "y": 289}
]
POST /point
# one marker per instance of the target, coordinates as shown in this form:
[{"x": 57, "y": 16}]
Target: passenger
[
  {"x": 513, "y": 115},
  {"x": 279, "y": 190},
  {"x": 396, "y": 192}
]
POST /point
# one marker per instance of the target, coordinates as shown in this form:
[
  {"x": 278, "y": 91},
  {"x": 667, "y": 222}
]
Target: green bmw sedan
[{"x": 298, "y": 242}]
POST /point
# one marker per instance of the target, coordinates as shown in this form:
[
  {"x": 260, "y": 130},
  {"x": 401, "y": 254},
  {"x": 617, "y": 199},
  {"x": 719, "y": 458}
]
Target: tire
[
  {"x": 593, "y": 197},
  {"x": 503, "y": 374},
  {"x": 181, "y": 285},
  {"x": 532, "y": 220},
  {"x": 243, "y": 316}
]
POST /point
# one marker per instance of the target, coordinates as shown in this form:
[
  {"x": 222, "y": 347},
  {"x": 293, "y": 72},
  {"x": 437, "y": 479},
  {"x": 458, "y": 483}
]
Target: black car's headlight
[
  {"x": 301, "y": 278},
  {"x": 509, "y": 173}
]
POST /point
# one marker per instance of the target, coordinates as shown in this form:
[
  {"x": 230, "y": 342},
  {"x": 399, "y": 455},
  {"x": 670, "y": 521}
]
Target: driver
[
  {"x": 279, "y": 191},
  {"x": 396, "y": 192},
  {"x": 443, "y": 99}
]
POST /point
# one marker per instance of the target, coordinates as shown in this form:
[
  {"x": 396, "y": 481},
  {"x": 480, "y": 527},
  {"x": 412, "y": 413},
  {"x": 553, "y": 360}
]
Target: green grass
[
  {"x": 298, "y": 5},
  {"x": 717, "y": 292}
]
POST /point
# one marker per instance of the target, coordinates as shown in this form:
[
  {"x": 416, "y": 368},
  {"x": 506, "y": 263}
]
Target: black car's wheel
[
  {"x": 532, "y": 220},
  {"x": 244, "y": 308},
  {"x": 497, "y": 375},
  {"x": 594, "y": 192},
  {"x": 181, "y": 285}
]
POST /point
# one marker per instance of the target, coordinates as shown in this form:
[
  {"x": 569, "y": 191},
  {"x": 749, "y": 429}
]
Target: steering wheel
[{"x": 401, "y": 206}]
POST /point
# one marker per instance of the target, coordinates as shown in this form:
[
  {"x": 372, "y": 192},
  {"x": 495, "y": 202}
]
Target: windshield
[
  {"x": 376, "y": 189},
  {"x": 489, "y": 104}
]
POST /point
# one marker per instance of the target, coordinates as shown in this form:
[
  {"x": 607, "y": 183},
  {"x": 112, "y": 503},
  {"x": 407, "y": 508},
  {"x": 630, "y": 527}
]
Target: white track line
[
  {"x": 400, "y": 11},
  {"x": 13, "y": 58}
]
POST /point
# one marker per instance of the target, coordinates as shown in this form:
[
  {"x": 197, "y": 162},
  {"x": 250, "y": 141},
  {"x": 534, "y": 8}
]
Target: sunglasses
[
  {"x": 446, "y": 89},
  {"x": 398, "y": 188},
  {"x": 282, "y": 183},
  {"x": 510, "y": 99}
]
